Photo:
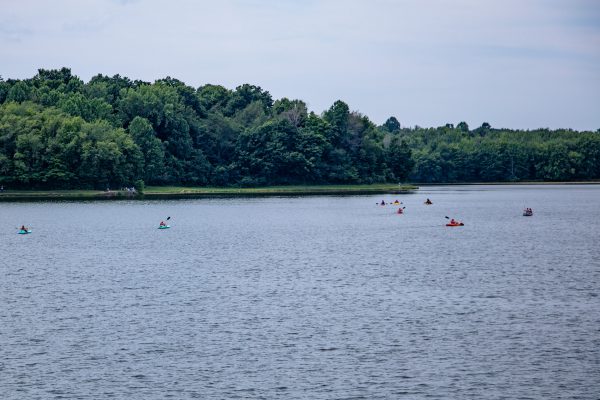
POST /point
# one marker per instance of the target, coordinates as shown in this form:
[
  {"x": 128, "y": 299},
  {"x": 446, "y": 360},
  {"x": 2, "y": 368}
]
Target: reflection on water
[{"x": 316, "y": 297}]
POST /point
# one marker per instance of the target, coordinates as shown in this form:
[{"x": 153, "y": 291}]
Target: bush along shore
[{"x": 166, "y": 192}]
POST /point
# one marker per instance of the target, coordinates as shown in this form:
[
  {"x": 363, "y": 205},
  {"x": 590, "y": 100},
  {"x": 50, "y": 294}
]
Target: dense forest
[{"x": 57, "y": 131}]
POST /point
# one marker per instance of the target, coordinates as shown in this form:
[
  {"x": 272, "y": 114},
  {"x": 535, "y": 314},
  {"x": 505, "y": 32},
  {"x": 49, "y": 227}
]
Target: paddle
[{"x": 168, "y": 218}]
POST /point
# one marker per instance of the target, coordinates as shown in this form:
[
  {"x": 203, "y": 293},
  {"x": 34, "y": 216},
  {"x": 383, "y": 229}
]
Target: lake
[{"x": 305, "y": 297}]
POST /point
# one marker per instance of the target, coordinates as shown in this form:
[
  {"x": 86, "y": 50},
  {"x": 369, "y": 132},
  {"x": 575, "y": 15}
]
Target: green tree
[
  {"x": 392, "y": 125},
  {"x": 399, "y": 159},
  {"x": 144, "y": 136}
]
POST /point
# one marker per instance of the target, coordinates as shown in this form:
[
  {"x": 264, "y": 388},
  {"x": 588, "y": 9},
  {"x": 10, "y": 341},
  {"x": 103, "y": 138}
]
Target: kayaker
[
  {"x": 400, "y": 211},
  {"x": 453, "y": 222},
  {"x": 23, "y": 228},
  {"x": 162, "y": 223},
  {"x": 382, "y": 203},
  {"x": 428, "y": 201}
]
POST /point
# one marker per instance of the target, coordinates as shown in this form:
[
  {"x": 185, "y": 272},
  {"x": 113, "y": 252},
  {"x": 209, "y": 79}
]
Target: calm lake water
[{"x": 304, "y": 298}]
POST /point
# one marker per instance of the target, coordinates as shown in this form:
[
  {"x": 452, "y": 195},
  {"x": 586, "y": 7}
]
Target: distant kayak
[
  {"x": 24, "y": 232},
  {"x": 164, "y": 227},
  {"x": 458, "y": 224}
]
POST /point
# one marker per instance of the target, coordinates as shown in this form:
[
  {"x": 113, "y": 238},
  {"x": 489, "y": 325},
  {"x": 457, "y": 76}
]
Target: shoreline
[
  {"x": 181, "y": 192},
  {"x": 177, "y": 192}
]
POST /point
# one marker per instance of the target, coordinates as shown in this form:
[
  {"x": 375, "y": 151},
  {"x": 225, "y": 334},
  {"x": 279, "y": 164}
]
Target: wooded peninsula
[{"x": 58, "y": 132}]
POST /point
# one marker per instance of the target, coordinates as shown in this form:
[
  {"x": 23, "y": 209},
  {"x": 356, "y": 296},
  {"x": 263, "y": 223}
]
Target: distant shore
[
  {"x": 177, "y": 192},
  {"x": 181, "y": 192}
]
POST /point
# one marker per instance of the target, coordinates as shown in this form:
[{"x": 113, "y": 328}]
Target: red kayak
[{"x": 459, "y": 224}]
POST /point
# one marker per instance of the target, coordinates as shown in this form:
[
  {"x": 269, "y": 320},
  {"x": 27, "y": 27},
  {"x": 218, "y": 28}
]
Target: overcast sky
[{"x": 512, "y": 63}]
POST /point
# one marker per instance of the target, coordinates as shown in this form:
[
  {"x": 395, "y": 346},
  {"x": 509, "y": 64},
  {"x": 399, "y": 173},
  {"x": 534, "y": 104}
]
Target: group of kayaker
[
  {"x": 528, "y": 211},
  {"x": 396, "y": 202},
  {"x": 427, "y": 202},
  {"x": 24, "y": 230},
  {"x": 163, "y": 225}
]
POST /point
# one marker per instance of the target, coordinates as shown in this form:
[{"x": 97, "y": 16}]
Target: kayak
[
  {"x": 164, "y": 227},
  {"x": 459, "y": 224},
  {"x": 427, "y": 204},
  {"x": 24, "y": 232},
  {"x": 528, "y": 214}
]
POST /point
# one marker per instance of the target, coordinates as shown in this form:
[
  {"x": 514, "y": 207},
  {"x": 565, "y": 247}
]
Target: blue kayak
[
  {"x": 24, "y": 232},
  {"x": 163, "y": 227}
]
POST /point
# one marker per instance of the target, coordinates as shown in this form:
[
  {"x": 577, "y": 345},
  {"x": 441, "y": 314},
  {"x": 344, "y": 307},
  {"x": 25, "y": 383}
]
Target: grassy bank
[{"x": 166, "y": 192}]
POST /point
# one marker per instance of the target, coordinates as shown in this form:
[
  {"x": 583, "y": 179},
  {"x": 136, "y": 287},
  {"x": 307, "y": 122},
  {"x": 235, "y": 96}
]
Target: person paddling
[
  {"x": 162, "y": 223},
  {"x": 382, "y": 202},
  {"x": 23, "y": 228},
  {"x": 428, "y": 201}
]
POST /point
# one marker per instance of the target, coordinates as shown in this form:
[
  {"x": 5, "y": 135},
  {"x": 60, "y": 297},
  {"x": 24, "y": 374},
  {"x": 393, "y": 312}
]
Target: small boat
[
  {"x": 455, "y": 224},
  {"x": 24, "y": 231},
  {"x": 164, "y": 226}
]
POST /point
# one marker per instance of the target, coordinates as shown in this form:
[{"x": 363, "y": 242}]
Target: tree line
[{"x": 57, "y": 131}]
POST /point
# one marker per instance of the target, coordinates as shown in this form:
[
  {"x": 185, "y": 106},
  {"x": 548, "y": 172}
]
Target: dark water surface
[{"x": 304, "y": 298}]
